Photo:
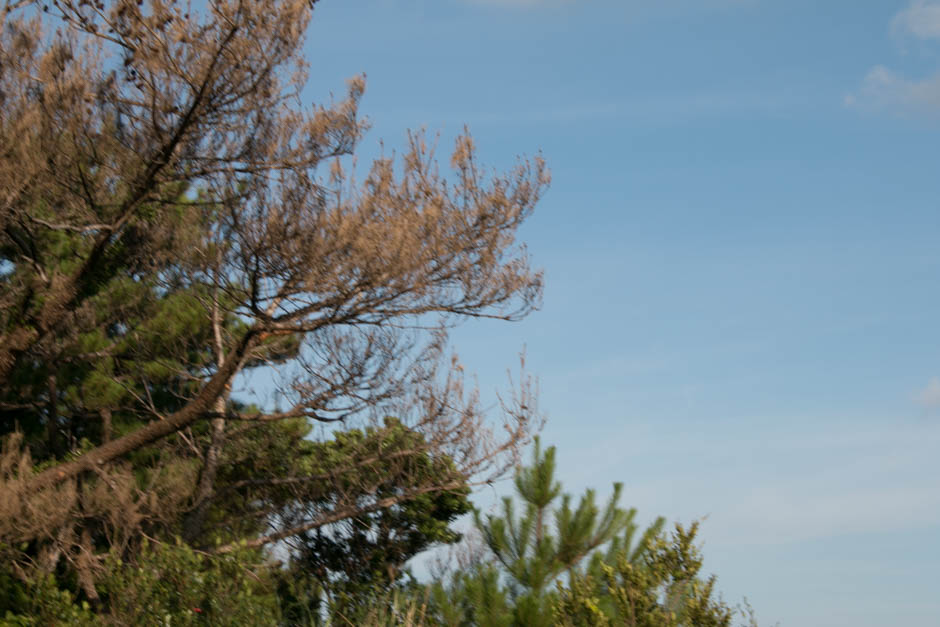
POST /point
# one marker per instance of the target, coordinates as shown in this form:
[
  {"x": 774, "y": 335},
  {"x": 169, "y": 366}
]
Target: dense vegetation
[
  {"x": 174, "y": 232},
  {"x": 550, "y": 564}
]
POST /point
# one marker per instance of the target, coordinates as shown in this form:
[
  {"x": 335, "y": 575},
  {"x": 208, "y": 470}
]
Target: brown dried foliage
[{"x": 112, "y": 114}]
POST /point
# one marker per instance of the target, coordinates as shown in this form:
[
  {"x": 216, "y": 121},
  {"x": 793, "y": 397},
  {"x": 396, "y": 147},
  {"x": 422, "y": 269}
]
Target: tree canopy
[
  {"x": 225, "y": 389},
  {"x": 173, "y": 219},
  {"x": 549, "y": 563}
]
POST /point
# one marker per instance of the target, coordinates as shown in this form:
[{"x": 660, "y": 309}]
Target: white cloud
[
  {"x": 884, "y": 90},
  {"x": 930, "y": 396},
  {"x": 921, "y": 20}
]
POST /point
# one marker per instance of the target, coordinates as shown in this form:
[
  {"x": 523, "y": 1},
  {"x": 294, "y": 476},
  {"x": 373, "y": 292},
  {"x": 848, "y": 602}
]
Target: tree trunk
[
  {"x": 193, "y": 411},
  {"x": 196, "y": 519}
]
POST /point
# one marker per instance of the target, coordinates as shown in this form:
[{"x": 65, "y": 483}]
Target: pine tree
[
  {"x": 171, "y": 221},
  {"x": 535, "y": 549},
  {"x": 662, "y": 588},
  {"x": 576, "y": 567}
]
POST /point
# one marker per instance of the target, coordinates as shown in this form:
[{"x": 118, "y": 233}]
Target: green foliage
[
  {"x": 581, "y": 566},
  {"x": 663, "y": 589},
  {"x": 347, "y": 565},
  {"x": 346, "y": 569},
  {"x": 41, "y": 602},
  {"x": 594, "y": 565},
  {"x": 141, "y": 346},
  {"x": 165, "y": 584},
  {"x": 538, "y": 546},
  {"x": 165, "y": 237},
  {"x": 476, "y": 597},
  {"x": 178, "y": 585},
  {"x": 132, "y": 337}
]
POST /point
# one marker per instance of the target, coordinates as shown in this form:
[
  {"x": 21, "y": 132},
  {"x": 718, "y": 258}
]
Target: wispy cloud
[
  {"x": 884, "y": 90},
  {"x": 644, "y": 108},
  {"x": 921, "y": 19},
  {"x": 929, "y": 397}
]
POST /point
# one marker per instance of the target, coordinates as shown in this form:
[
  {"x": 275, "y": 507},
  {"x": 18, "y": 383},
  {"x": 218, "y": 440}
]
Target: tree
[
  {"x": 472, "y": 597},
  {"x": 351, "y": 565},
  {"x": 171, "y": 220},
  {"x": 575, "y": 567},
  {"x": 346, "y": 569},
  {"x": 169, "y": 584},
  {"x": 539, "y": 547},
  {"x": 661, "y": 589}
]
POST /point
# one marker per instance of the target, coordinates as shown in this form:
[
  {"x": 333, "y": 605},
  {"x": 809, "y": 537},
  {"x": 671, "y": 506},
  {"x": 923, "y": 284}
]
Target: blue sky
[{"x": 742, "y": 262}]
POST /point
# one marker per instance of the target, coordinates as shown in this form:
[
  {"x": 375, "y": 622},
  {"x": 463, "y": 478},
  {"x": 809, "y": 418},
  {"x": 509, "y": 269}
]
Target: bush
[{"x": 166, "y": 584}]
